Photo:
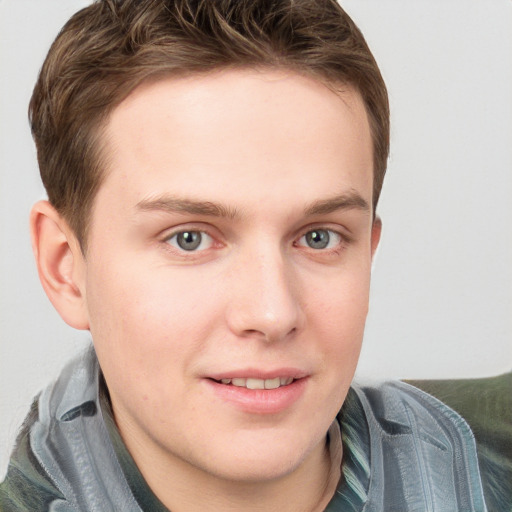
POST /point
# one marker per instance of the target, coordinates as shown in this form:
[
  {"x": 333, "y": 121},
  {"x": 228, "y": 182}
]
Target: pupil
[
  {"x": 318, "y": 239},
  {"x": 189, "y": 240}
]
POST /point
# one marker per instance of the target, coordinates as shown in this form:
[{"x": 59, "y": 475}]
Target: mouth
[
  {"x": 253, "y": 383},
  {"x": 256, "y": 395}
]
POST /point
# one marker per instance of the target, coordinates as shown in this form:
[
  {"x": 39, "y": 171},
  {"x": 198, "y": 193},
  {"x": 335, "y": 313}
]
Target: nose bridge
[{"x": 265, "y": 299}]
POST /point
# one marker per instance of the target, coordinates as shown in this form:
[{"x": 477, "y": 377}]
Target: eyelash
[{"x": 342, "y": 240}]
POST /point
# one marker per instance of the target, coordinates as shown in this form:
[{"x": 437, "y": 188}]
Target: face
[{"x": 227, "y": 273}]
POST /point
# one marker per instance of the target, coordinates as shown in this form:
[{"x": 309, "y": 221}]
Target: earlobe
[{"x": 60, "y": 264}]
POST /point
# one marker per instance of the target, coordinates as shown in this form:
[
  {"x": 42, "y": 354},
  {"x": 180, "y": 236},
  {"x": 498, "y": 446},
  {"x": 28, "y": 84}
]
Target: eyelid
[
  {"x": 201, "y": 227},
  {"x": 343, "y": 232}
]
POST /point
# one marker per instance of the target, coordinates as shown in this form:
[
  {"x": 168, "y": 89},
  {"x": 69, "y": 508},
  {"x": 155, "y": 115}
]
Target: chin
[
  {"x": 264, "y": 460},
  {"x": 250, "y": 471}
]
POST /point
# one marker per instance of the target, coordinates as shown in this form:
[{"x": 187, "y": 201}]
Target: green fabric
[
  {"x": 486, "y": 404},
  {"x": 352, "y": 491}
]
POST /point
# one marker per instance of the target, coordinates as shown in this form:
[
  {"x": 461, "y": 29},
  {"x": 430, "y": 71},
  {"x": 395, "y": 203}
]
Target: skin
[{"x": 280, "y": 155}]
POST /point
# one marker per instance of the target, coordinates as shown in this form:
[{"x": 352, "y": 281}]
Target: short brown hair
[{"x": 107, "y": 49}]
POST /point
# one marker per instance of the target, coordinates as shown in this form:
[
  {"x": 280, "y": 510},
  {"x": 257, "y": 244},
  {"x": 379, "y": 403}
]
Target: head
[
  {"x": 211, "y": 222},
  {"x": 109, "y": 48}
]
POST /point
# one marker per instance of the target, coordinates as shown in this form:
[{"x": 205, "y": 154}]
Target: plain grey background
[{"x": 442, "y": 283}]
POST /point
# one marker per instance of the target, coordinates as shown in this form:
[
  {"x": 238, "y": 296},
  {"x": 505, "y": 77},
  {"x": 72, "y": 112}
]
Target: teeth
[
  {"x": 259, "y": 383},
  {"x": 255, "y": 384},
  {"x": 272, "y": 383}
]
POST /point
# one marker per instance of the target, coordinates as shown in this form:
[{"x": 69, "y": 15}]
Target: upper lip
[{"x": 254, "y": 373}]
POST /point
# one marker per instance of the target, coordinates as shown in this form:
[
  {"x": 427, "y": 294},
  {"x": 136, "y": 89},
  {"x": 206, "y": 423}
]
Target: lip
[
  {"x": 255, "y": 373},
  {"x": 258, "y": 401}
]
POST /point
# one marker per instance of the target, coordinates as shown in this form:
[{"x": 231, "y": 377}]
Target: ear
[
  {"x": 376, "y": 232},
  {"x": 60, "y": 264}
]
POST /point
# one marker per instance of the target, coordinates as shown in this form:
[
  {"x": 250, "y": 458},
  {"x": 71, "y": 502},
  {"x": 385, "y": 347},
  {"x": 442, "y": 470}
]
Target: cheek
[
  {"x": 147, "y": 317},
  {"x": 144, "y": 336},
  {"x": 337, "y": 313},
  {"x": 341, "y": 302}
]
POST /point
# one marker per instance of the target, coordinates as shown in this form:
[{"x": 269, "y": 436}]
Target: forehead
[{"x": 227, "y": 131}]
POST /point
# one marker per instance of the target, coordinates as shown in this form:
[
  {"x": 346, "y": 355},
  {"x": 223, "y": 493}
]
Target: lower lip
[{"x": 259, "y": 401}]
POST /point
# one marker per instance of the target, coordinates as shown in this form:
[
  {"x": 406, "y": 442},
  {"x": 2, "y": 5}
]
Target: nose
[{"x": 264, "y": 297}]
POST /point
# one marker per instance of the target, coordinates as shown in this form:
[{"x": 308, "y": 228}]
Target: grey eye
[
  {"x": 318, "y": 238},
  {"x": 191, "y": 240}
]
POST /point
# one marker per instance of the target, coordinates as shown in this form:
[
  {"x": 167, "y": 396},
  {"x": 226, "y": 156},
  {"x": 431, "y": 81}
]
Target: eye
[
  {"x": 320, "y": 239},
  {"x": 190, "y": 240}
]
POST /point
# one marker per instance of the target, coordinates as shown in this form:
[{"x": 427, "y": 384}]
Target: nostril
[{"x": 252, "y": 332}]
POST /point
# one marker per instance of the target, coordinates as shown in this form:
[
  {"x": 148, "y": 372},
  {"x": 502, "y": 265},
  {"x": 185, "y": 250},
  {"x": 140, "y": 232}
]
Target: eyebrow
[
  {"x": 349, "y": 201},
  {"x": 178, "y": 205},
  {"x": 171, "y": 204}
]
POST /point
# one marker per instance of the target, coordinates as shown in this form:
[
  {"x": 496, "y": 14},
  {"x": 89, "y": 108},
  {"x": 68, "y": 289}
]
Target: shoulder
[
  {"x": 398, "y": 407},
  {"x": 32, "y": 481},
  {"x": 422, "y": 452},
  {"x": 64, "y": 457},
  {"x": 27, "y": 486},
  {"x": 486, "y": 405}
]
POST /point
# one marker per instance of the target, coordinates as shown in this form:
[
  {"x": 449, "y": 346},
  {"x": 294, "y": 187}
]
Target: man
[{"x": 213, "y": 170}]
